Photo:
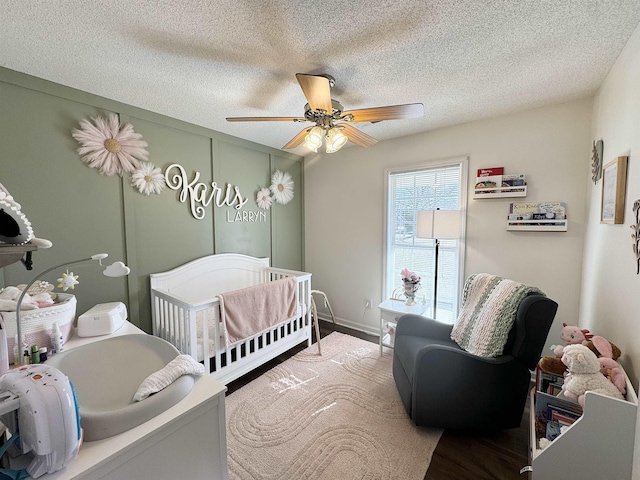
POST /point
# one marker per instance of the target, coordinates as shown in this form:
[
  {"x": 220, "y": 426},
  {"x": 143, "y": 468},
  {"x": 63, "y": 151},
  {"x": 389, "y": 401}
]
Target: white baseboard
[{"x": 353, "y": 325}]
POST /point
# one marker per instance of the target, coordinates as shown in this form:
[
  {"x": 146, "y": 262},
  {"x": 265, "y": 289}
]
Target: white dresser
[{"x": 186, "y": 441}]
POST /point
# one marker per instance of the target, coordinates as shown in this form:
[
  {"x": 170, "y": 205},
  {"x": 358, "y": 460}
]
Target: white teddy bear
[{"x": 584, "y": 375}]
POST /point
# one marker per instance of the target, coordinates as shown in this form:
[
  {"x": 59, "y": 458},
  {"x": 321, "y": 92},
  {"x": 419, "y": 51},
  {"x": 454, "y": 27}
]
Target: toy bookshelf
[{"x": 598, "y": 445}]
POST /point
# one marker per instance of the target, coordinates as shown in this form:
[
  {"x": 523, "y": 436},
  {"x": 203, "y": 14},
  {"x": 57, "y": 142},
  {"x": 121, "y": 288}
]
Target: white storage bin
[{"x": 36, "y": 325}]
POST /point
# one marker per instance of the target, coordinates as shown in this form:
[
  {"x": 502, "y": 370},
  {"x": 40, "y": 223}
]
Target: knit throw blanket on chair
[{"x": 489, "y": 306}]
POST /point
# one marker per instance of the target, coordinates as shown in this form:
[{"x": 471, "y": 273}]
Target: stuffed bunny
[{"x": 608, "y": 366}]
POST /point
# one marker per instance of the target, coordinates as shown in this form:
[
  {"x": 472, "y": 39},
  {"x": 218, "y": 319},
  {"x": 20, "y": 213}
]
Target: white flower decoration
[
  {"x": 263, "y": 199},
  {"x": 148, "y": 179},
  {"x": 107, "y": 146},
  {"x": 281, "y": 187}
]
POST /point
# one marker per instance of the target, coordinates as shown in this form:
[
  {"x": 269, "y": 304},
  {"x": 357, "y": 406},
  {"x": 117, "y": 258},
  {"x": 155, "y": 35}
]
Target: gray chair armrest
[{"x": 416, "y": 325}]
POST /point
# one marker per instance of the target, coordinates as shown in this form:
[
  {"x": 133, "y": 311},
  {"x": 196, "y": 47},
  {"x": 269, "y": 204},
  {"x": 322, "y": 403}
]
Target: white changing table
[{"x": 186, "y": 441}]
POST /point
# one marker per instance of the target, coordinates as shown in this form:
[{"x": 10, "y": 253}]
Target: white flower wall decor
[
  {"x": 263, "y": 198},
  {"x": 281, "y": 187},
  {"x": 108, "y": 146},
  {"x": 148, "y": 179}
]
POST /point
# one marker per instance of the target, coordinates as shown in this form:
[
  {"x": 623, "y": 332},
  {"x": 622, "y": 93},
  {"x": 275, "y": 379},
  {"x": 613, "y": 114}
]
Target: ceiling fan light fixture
[
  {"x": 335, "y": 140},
  {"x": 313, "y": 140},
  {"x": 324, "y": 111}
]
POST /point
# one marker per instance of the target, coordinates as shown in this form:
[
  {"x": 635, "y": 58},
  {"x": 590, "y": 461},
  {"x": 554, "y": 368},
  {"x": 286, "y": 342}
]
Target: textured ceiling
[{"x": 201, "y": 61}]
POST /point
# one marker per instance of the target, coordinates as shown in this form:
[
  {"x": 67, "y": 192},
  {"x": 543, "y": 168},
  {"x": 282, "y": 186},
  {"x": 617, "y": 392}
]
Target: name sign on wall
[{"x": 200, "y": 195}]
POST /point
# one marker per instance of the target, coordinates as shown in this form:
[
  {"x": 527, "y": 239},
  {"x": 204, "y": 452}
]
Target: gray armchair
[{"x": 442, "y": 385}]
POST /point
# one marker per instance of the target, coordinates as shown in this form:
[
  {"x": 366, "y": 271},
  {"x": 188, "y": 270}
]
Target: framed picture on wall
[{"x": 614, "y": 179}]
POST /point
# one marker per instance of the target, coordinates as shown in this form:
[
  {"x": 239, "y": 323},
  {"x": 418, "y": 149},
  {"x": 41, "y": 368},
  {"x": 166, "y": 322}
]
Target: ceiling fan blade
[
  {"x": 392, "y": 112},
  {"x": 356, "y": 136},
  {"x": 266, "y": 119},
  {"x": 317, "y": 91},
  {"x": 297, "y": 140}
]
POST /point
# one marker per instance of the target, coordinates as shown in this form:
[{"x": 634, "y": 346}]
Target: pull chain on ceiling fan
[{"x": 332, "y": 122}]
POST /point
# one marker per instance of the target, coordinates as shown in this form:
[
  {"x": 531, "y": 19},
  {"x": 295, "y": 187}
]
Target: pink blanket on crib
[{"x": 252, "y": 310}]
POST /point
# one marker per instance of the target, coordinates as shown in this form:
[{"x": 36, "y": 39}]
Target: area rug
[{"x": 335, "y": 416}]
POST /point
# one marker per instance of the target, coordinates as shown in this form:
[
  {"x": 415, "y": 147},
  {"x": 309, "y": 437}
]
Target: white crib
[{"x": 186, "y": 312}]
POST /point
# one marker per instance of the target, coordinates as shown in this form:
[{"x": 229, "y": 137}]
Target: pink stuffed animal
[
  {"x": 608, "y": 366},
  {"x": 571, "y": 335}
]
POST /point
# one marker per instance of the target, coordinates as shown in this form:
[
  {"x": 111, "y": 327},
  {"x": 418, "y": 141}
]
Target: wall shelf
[
  {"x": 500, "y": 192},
  {"x": 13, "y": 253},
  {"x": 537, "y": 225}
]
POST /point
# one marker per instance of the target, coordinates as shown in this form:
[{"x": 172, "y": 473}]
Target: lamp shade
[
  {"x": 335, "y": 139},
  {"x": 313, "y": 139},
  {"x": 424, "y": 224},
  {"x": 440, "y": 224}
]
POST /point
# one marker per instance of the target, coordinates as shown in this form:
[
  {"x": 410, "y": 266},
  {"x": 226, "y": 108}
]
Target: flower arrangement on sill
[{"x": 411, "y": 284}]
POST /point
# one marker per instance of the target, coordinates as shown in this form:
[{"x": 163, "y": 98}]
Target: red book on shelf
[{"x": 487, "y": 172}]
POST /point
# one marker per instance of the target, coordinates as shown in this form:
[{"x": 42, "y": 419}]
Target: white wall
[
  {"x": 344, "y": 207},
  {"x": 610, "y": 304}
]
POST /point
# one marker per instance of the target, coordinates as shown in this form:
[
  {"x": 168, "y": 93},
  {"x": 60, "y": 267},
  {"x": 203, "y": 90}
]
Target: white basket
[{"x": 36, "y": 325}]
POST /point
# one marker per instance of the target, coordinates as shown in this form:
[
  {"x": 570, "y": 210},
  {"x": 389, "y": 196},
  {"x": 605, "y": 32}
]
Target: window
[{"x": 440, "y": 185}]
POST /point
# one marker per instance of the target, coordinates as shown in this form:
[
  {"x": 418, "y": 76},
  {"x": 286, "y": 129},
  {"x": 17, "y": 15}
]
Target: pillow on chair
[{"x": 489, "y": 306}]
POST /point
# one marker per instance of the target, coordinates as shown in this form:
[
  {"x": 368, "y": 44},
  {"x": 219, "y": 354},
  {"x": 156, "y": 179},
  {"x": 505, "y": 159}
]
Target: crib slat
[{"x": 206, "y": 348}]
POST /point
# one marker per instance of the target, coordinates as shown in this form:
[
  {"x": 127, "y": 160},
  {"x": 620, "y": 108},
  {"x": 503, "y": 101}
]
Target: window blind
[{"x": 409, "y": 192}]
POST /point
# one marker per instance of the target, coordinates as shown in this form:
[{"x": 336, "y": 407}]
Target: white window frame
[{"x": 463, "y": 162}]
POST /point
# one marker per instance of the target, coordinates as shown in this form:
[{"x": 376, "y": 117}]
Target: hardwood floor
[{"x": 460, "y": 455}]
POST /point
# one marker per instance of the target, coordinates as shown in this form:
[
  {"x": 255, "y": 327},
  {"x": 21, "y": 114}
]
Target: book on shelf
[
  {"x": 552, "y": 413},
  {"x": 538, "y": 214},
  {"x": 543, "y": 216},
  {"x": 557, "y": 208},
  {"x": 548, "y": 382},
  {"x": 489, "y": 178},
  {"x": 520, "y": 216},
  {"x": 489, "y": 181},
  {"x": 488, "y": 172},
  {"x": 552, "y": 430},
  {"x": 562, "y": 416},
  {"x": 513, "y": 180}
]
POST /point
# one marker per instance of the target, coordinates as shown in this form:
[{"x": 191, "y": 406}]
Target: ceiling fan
[{"x": 331, "y": 120}]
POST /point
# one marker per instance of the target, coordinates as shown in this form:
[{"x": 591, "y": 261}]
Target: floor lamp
[{"x": 438, "y": 225}]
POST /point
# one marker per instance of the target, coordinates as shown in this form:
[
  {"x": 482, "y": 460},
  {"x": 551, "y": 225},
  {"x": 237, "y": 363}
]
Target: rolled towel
[{"x": 181, "y": 365}]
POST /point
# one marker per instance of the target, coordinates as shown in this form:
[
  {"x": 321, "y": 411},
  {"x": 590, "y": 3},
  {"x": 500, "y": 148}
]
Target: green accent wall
[
  {"x": 251, "y": 168},
  {"x": 83, "y": 212},
  {"x": 287, "y": 220}
]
